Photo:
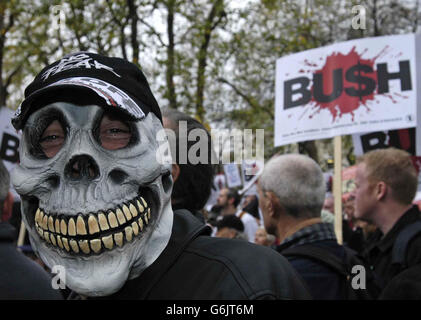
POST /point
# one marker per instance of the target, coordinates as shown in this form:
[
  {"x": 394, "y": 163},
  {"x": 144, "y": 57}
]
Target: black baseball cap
[{"x": 116, "y": 82}]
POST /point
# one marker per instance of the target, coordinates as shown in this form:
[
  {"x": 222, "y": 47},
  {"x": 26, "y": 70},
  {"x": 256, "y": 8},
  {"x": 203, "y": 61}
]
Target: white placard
[
  {"x": 9, "y": 143},
  {"x": 355, "y": 86},
  {"x": 233, "y": 175},
  {"x": 250, "y": 172},
  {"x": 219, "y": 182}
]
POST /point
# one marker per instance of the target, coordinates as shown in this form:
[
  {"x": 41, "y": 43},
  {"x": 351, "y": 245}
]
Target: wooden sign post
[
  {"x": 337, "y": 187},
  {"x": 22, "y": 233}
]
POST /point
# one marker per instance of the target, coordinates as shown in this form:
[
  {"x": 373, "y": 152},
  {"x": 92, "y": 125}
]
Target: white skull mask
[{"x": 104, "y": 215}]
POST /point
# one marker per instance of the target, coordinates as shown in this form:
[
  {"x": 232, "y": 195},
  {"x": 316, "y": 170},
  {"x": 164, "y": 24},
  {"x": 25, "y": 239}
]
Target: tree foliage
[{"x": 214, "y": 59}]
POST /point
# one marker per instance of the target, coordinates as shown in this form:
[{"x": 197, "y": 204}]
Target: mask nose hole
[
  {"x": 118, "y": 176},
  {"x": 82, "y": 167},
  {"x": 54, "y": 181}
]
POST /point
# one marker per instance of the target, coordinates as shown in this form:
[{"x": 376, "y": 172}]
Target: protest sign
[
  {"x": 9, "y": 143},
  {"x": 355, "y": 86},
  {"x": 405, "y": 139},
  {"x": 233, "y": 175},
  {"x": 250, "y": 172},
  {"x": 219, "y": 182}
]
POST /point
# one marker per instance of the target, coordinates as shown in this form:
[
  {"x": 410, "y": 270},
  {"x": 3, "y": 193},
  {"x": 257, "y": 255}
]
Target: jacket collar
[
  {"x": 309, "y": 234},
  {"x": 408, "y": 217},
  {"x": 185, "y": 228}
]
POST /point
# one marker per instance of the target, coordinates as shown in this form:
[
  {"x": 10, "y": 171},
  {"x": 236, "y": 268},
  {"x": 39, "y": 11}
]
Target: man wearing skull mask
[{"x": 96, "y": 195}]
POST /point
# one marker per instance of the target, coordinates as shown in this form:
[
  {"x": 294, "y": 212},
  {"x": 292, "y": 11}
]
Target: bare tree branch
[
  {"x": 252, "y": 103},
  {"x": 217, "y": 11},
  {"x": 134, "y": 42},
  {"x": 122, "y": 25},
  {"x": 153, "y": 31}
]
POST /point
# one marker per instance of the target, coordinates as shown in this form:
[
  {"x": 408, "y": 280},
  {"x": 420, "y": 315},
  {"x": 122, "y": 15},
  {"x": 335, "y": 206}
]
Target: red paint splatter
[
  {"x": 302, "y": 115},
  {"x": 309, "y": 64},
  {"x": 401, "y": 95},
  {"x": 383, "y": 52},
  {"x": 390, "y": 96},
  {"x": 344, "y": 104}
]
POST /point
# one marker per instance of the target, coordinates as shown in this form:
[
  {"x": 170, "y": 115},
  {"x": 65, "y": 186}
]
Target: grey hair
[
  {"x": 240, "y": 235},
  {"x": 270, "y": 238},
  {"x": 4, "y": 185},
  {"x": 298, "y": 182}
]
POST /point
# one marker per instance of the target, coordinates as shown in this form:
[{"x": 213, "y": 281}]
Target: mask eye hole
[
  {"x": 114, "y": 133},
  {"x": 52, "y": 139}
]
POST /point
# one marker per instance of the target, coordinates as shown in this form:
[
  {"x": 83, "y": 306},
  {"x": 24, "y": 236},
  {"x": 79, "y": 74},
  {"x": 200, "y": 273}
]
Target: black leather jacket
[
  {"x": 196, "y": 266},
  {"x": 20, "y": 277},
  {"x": 379, "y": 253}
]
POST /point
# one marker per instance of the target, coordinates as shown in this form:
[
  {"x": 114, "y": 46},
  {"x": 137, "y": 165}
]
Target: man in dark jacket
[
  {"x": 386, "y": 182},
  {"x": 196, "y": 266},
  {"x": 405, "y": 286},
  {"x": 20, "y": 277},
  {"x": 96, "y": 194},
  {"x": 192, "y": 180},
  {"x": 291, "y": 194}
]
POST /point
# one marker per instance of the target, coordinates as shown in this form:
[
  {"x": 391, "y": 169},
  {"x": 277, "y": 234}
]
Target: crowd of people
[
  {"x": 380, "y": 227},
  {"x": 83, "y": 160}
]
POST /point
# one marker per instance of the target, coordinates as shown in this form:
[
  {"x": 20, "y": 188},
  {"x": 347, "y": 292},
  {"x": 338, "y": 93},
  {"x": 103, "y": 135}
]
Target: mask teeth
[{"x": 95, "y": 232}]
